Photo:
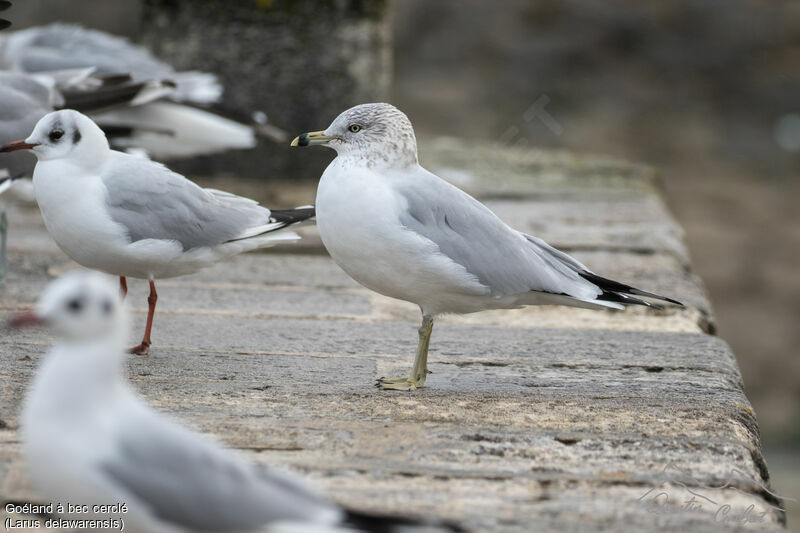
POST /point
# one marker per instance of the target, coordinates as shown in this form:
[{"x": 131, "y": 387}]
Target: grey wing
[
  {"x": 152, "y": 202},
  {"x": 505, "y": 260},
  {"x": 189, "y": 481}
]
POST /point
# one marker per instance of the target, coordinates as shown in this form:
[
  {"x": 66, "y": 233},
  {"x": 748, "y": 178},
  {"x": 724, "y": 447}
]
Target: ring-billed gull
[
  {"x": 131, "y": 217},
  {"x": 89, "y": 439},
  {"x": 430, "y": 243}
]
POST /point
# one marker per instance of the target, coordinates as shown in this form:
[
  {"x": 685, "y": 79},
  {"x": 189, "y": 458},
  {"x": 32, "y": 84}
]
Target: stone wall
[{"x": 302, "y": 63}]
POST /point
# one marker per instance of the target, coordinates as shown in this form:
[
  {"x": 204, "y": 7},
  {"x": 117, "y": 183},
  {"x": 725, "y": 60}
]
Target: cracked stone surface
[{"x": 541, "y": 418}]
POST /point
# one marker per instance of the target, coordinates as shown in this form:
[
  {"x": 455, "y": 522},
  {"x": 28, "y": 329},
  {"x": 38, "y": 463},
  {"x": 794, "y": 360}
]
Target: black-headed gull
[
  {"x": 429, "y": 242},
  {"x": 90, "y": 442},
  {"x": 131, "y": 217}
]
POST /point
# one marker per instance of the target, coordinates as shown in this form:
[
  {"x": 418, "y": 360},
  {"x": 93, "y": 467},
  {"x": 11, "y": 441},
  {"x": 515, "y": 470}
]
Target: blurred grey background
[{"x": 707, "y": 91}]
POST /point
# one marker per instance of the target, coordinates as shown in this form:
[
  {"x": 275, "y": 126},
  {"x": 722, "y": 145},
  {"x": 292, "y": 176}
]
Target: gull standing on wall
[
  {"x": 404, "y": 232},
  {"x": 131, "y": 217}
]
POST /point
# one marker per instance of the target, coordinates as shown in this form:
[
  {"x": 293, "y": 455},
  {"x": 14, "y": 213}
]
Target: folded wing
[
  {"x": 152, "y": 202},
  {"x": 505, "y": 260},
  {"x": 194, "y": 484}
]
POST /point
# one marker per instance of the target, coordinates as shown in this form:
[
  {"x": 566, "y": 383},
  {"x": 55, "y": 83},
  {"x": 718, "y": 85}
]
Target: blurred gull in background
[
  {"x": 59, "y": 47},
  {"x": 26, "y": 98},
  {"x": 129, "y": 216},
  {"x": 427, "y": 242},
  {"x": 140, "y": 101},
  {"x": 88, "y": 438}
]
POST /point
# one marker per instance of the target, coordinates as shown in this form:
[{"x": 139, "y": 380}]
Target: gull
[
  {"x": 135, "y": 114},
  {"x": 89, "y": 439},
  {"x": 430, "y": 243},
  {"x": 167, "y": 129},
  {"x": 59, "y": 46},
  {"x": 131, "y": 217}
]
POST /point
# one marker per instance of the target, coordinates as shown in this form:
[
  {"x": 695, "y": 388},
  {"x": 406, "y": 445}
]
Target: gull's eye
[
  {"x": 75, "y": 305},
  {"x": 55, "y": 135},
  {"x": 354, "y": 128}
]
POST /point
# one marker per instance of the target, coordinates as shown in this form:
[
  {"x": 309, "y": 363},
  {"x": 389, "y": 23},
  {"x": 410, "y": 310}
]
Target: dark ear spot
[
  {"x": 76, "y": 137},
  {"x": 107, "y": 307}
]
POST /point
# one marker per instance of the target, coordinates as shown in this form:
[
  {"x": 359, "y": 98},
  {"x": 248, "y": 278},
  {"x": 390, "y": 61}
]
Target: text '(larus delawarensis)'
[
  {"x": 90, "y": 440},
  {"x": 406, "y": 233},
  {"x": 131, "y": 217}
]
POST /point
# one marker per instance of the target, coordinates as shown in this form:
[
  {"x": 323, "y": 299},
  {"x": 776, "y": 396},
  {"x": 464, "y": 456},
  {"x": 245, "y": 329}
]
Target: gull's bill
[
  {"x": 312, "y": 138},
  {"x": 23, "y": 320},
  {"x": 18, "y": 145}
]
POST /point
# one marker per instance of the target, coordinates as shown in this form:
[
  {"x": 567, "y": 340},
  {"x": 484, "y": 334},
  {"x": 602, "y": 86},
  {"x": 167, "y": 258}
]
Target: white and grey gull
[
  {"x": 402, "y": 231},
  {"x": 132, "y": 217}
]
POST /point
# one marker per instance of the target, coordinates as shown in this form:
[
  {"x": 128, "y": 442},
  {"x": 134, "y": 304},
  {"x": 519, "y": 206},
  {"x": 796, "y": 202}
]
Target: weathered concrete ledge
[{"x": 543, "y": 418}]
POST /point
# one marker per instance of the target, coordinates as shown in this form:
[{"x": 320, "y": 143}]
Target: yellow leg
[{"x": 420, "y": 371}]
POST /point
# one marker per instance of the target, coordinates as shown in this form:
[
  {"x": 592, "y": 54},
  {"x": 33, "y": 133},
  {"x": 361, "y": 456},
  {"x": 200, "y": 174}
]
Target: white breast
[
  {"x": 73, "y": 209},
  {"x": 358, "y": 219},
  {"x": 57, "y": 454}
]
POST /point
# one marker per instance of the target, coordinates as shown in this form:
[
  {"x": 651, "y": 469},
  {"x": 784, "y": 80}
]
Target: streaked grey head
[
  {"x": 374, "y": 134},
  {"x": 82, "y": 306},
  {"x": 68, "y": 134}
]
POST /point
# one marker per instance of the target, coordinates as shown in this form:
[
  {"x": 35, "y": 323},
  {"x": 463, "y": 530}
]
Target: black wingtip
[
  {"x": 608, "y": 296},
  {"x": 615, "y": 291},
  {"x": 120, "y": 131},
  {"x": 5, "y": 4},
  {"x": 293, "y": 216},
  {"x": 4, "y": 24},
  {"x": 116, "y": 93},
  {"x": 370, "y": 523},
  {"x": 670, "y": 300}
]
